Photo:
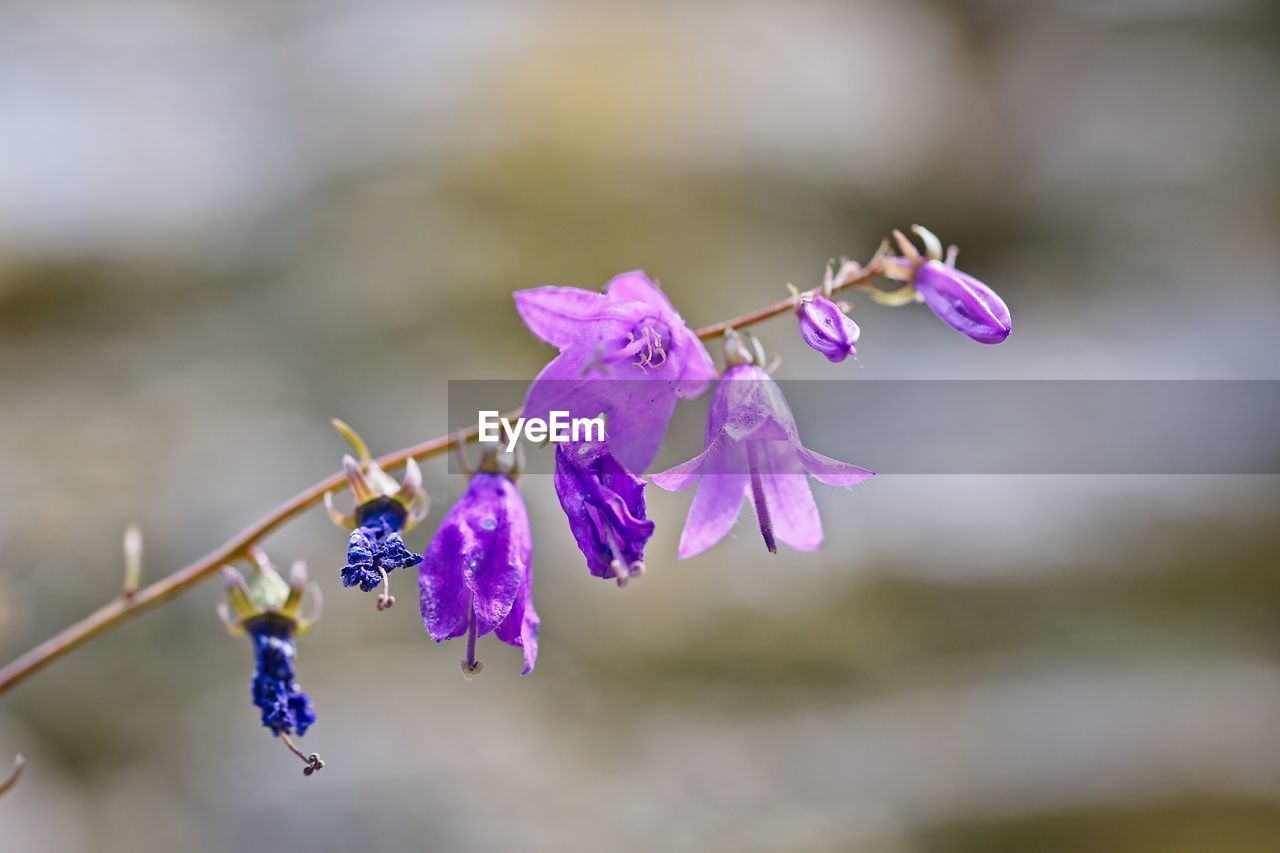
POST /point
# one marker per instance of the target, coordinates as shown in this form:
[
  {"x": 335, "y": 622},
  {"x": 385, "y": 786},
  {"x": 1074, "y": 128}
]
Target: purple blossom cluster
[{"x": 627, "y": 355}]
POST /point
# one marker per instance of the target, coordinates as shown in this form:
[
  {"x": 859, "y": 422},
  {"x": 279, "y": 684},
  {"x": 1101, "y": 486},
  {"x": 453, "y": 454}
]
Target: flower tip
[
  {"x": 314, "y": 765},
  {"x": 471, "y": 668}
]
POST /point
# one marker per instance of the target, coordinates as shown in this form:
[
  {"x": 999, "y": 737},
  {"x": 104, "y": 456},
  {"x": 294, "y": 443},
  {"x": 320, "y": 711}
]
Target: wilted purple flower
[
  {"x": 753, "y": 449},
  {"x": 624, "y": 352},
  {"x": 826, "y": 328},
  {"x": 476, "y": 576},
  {"x": 605, "y": 506},
  {"x": 964, "y": 303}
]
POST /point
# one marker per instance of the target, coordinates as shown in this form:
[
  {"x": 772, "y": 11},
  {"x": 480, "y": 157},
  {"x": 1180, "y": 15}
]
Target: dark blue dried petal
[
  {"x": 275, "y": 690},
  {"x": 373, "y": 547}
]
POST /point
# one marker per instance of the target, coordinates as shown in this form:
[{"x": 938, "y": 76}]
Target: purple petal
[
  {"x": 636, "y": 286},
  {"x": 560, "y": 315},
  {"x": 498, "y": 558},
  {"x": 713, "y": 513},
  {"x": 786, "y": 489},
  {"x": 637, "y": 428},
  {"x": 833, "y": 472},
  {"x": 443, "y": 597},
  {"x": 520, "y": 628}
]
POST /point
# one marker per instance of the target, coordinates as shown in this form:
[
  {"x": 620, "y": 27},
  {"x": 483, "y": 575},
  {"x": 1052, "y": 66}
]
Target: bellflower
[
  {"x": 753, "y": 450},
  {"x": 267, "y": 611},
  {"x": 626, "y": 353},
  {"x": 476, "y": 576},
  {"x": 960, "y": 300},
  {"x": 825, "y": 327},
  {"x": 384, "y": 510},
  {"x": 605, "y": 506}
]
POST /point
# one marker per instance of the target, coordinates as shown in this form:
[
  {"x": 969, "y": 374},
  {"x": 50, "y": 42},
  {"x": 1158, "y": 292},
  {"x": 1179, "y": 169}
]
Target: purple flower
[
  {"x": 753, "y": 450},
  {"x": 826, "y": 328},
  {"x": 964, "y": 303},
  {"x": 476, "y": 576},
  {"x": 605, "y": 506},
  {"x": 625, "y": 353}
]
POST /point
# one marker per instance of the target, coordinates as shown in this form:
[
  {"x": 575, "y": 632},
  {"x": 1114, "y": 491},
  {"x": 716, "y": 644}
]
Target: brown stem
[{"x": 123, "y": 608}]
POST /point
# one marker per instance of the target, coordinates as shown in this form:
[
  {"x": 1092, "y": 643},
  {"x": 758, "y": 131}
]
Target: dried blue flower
[
  {"x": 477, "y": 577},
  {"x": 385, "y": 509},
  {"x": 267, "y": 611},
  {"x": 605, "y": 506}
]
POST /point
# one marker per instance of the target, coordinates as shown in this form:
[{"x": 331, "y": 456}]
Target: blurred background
[{"x": 222, "y": 224}]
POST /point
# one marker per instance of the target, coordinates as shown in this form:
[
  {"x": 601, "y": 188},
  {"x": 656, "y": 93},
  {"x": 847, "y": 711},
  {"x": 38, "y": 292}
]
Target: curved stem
[{"x": 125, "y": 607}]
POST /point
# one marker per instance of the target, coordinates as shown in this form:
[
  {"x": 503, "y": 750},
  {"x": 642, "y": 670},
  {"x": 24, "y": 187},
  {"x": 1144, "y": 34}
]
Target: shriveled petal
[
  {"x": 560, "y": 315},
  {"x": 833, "y": 472},
  {"x": 713, "y": 513},
  {"x": 520, "y": 628}
]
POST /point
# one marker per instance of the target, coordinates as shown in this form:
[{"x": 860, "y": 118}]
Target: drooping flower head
[
  {"x": 753, "y": 451},
  {"x": 267, "y": 611},
  {"x": 960, "y": 300},
  {"x": 605, "y": 506},
  {"x": 476, "y": 576},
  {"x": 626, "y": 353},
  {"x": 384, "y": 510},
  {"x": 824, "y": 325}
]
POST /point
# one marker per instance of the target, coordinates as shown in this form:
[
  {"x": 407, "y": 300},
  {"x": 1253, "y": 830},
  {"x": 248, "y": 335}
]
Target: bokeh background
[{"x": 223, "y": 223}]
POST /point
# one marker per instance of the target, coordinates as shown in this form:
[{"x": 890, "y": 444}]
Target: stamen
[
  {"x": 471, "y": 667},
  {"x": 758, "y": 499},
  {"x": 657, "y": 347},
  {"x": 621, "y": 570},
  {"x": 312, "y": 760},
  {"x": 385, "y": 599}
]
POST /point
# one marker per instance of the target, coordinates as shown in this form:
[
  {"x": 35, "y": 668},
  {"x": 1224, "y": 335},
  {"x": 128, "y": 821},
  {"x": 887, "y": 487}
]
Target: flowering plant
[{"x": 624, "y": 354}]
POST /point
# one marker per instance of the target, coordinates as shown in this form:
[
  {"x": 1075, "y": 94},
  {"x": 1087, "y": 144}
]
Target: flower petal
[
  {"x": 443, "y": 597},
  {"x": 520, "y": 628},
  {"x": 496, "y": 559},
  {"x": 560, "y": 315},
  {"x": 636, "y": 286},
  {"x": 713, "y": 513},
  {"x": 833, "y": 472},
  {"x": 791, "y": 506}
]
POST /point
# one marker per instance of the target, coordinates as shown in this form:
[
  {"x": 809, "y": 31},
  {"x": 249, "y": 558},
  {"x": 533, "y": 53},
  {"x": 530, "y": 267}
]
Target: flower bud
[
  {"x": 964, "y": 303},
  {"x": 826, "y": 328}
]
